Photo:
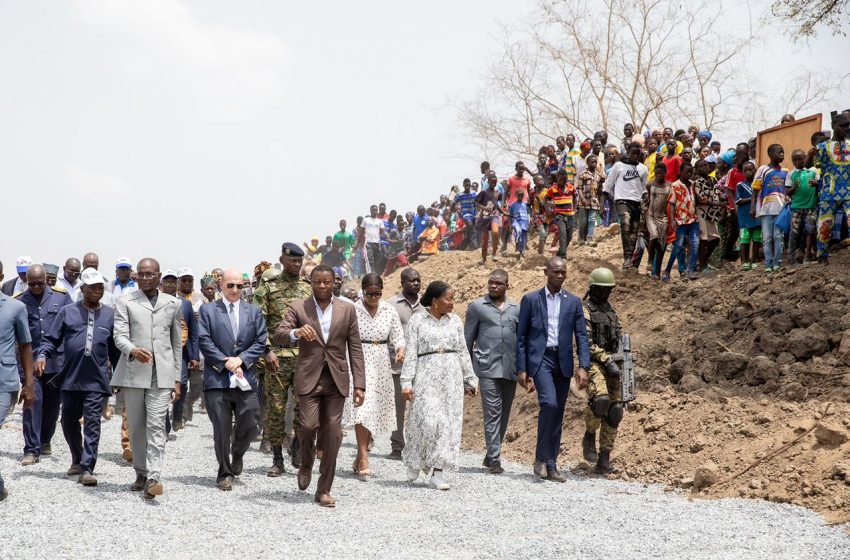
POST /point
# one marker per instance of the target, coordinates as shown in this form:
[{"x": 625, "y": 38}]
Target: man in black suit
[{"x": 232, "y": 337}]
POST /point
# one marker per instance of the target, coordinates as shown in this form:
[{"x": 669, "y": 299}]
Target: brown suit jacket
[{"x": 344, "y": 335}]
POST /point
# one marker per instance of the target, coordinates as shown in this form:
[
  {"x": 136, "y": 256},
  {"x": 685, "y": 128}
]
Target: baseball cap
[
  {"x": 91, "y": 276},
  {"x": 123, "y": 262},
  {"x": 184, "y": 271},
  {"x": 168, "y": 273},
  {"x": 23, "y": 263}
]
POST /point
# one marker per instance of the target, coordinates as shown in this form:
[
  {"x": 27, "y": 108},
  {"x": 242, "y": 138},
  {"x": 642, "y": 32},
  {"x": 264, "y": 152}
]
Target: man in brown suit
[{"x": 324, "y": 328}]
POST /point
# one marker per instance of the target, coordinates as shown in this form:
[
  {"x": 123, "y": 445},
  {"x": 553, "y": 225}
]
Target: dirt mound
[{"x": 740, "y": 370}]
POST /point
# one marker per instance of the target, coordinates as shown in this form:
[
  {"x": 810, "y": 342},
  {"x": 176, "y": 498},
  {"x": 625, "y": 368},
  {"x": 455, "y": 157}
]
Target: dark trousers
[
  {"x": 628, "y": 214},
  {"x": 321, "y": 412},
  {"x": 196, "y": 391},
  {"x": 565, "y": 224},
  {"x": 40, "y": 420},
  {"x": 397, "y": 437},
  {"x": 497, "y": 397},
  {"x": 82, "y": 440},
  {"x": 222, "y": 406},
  {"x": 177, "y": 409},
  {"x": 552, "y": 391}
]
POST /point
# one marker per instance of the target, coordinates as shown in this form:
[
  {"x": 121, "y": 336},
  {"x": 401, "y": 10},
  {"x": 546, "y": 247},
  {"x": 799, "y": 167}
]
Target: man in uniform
[
  {"x": 274, "y": 297},
  {"x": 52, "y": 271},
  {"x": 43, "y": 304},
  {"x": 605, "y": 407}
]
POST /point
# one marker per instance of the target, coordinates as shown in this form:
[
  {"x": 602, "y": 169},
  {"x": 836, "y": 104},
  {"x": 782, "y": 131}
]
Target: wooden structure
[{"x": 792, "y": 136}]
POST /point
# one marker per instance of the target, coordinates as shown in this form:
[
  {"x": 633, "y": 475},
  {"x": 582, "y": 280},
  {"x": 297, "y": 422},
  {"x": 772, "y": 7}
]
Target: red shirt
[
  {"x": 514, "y": 184},
  {"x": 674, "y": 164},
  {"x": 735, "y": 176}
]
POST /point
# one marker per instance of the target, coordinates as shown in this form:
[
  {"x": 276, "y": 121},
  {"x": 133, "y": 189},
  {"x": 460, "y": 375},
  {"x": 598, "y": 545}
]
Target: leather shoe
[
  {"x": 225, "y": 483},
  {"x": 276, "y": 468},
  {"x": 304, "y": 477},
  {"x": 87, "y": 479},
  {"x": 139, "y": 485},
  {"x": 153, "y": 488},
  {"x": 29, "y": 459},
  {"x": 325, "y": 500},
  {"x": 540, "y": 469},
  {"x": 395, "y": 455},
  {"x": 236, "y": 465},
  {"x": 74, "y": 470},
  {"x": 496, "y": 467},
  {"x": 553, "y": 475}
]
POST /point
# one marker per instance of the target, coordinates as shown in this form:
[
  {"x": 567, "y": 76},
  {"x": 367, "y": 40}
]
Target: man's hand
[
  {"x": 359, "y": 396},
  {"x": 581, "y": 378},
  {"x": 407, "y": 394},
  {"x": 27, "y": 396},
  {"x": 176, "y": 396},
  {"x": 239, "y": 373},
  {"x": 399, "y": 355},
  {"x": 40, "y": 364},
  {"x": 272, "y": 363},
  {"x": 194, "y": 364},
  {"x": 233, "y": 363},
  {"x": 306, "y": 332},
  {"x": 143, "y": 355},
  {"x": 525, "y": 381}
]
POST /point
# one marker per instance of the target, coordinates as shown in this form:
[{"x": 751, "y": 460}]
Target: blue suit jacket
[
  {"x": 531, "y": 333},
  {"x": 217, "y": 343},
  {"x": 190, "y": 349}
]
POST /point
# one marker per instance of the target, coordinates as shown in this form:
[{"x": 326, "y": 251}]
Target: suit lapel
[
  {"x": 544, "y": 309},
  {"x": 310, "y": 310},
  {"x": 562, "y": 311},
  {"x": 243, "y": 319},
  {"x": 224, "y": 318},
  {"x": 337, "y": 317},
  {"x": 143, "y": 300}
]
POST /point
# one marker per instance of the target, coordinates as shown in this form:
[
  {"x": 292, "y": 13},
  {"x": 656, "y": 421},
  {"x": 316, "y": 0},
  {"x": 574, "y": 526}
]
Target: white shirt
[
  {"x": 553, "y": 311},
  {"x": 235, "y": 305},
  {"x": 118, "y": 290},
  {"x": 626, "y": 181},
  {"x": 20, "y": 286},
  {"x": 325, "y": 318},
  {"x": 373, "y": 228},
  {"x": 73, "y": 291}
]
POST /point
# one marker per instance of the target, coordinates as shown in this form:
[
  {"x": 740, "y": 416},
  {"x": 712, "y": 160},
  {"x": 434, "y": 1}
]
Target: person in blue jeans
[
  {"x": 14, "y": 339},
  {"x": 682, "y": 201},
  {"x": 769, "y": 190}
]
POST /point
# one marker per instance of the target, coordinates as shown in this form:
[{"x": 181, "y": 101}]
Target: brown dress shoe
[
  {"x": 304, "y": 477},
  {"x": 153, "y": 488},
  {"x": 325, "y": 500},
  {"x": 87, "y": 479},
  {"x": 554, "y": 475},
  {"x": 225, "y": 484}
]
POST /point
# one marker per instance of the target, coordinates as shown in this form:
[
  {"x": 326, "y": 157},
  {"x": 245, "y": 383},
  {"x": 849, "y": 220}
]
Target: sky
[{"x": 206, "y": 132}]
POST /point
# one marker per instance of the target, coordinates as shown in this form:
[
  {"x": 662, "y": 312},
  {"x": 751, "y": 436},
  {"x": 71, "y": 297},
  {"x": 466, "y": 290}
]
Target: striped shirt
[{"x": 563, "y": 200}]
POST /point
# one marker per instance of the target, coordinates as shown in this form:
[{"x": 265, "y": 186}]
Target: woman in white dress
[
  {"x": 435, "y": 376},
  {"x": 379, "y": 325}
]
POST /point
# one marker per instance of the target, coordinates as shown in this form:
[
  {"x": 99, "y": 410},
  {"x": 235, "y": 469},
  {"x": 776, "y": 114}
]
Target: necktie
[{"x": 233, "y": 320}]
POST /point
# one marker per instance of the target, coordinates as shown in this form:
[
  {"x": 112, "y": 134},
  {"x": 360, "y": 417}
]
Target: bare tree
[
  {"x": 587, "y": 65},
  {"x": 806, "y": 16}
]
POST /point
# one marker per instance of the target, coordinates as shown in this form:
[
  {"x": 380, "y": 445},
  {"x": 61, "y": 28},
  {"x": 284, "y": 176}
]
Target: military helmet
[
  {"x": 601, "y": 277},
  {"x": 270, "y": 274}
]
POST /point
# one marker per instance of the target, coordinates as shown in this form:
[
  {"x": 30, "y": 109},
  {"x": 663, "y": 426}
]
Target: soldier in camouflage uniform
[
  {"x": 274, "y": 298},
  {"x": 605, "y": 407}
]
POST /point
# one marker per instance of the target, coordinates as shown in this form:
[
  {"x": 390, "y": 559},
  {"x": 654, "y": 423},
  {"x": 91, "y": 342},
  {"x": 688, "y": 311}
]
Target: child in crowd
[
  {"x": 656, "y": 219},
  {"x": 519, "y": 213},
  {"x": 801, "y": 186},
  {"x": 709, "y": 212},
  {"x": 588, "y": 191},
  {"x": 749, "y": 227},
  {"x": 673, "y": 161},
  {"x": 683, "y": 209},
  {"x": 769, "y": 184}
]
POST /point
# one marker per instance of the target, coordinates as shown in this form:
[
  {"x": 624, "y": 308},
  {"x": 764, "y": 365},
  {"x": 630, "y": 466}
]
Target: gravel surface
[{"x": 510, "y": 516}]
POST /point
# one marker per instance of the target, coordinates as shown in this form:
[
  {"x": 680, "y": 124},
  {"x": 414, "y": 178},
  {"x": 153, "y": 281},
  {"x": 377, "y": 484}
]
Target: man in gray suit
[
  {"x": 147, "y": 332},
  {"x": 490, "y": 329}
]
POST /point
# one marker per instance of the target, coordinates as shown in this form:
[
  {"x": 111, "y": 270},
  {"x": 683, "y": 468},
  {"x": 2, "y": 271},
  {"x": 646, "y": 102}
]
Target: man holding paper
[{"x": 232, "y": 336}]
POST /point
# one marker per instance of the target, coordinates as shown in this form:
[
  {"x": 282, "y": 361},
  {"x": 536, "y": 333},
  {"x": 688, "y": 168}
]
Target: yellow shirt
[{"x": 649, "y": 162}]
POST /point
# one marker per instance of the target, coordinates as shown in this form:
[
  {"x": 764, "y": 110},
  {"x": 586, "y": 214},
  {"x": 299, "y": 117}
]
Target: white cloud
[{"x": 232, "y": 73}]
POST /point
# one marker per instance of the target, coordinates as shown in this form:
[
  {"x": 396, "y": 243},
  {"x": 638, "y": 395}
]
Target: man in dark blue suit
[
  {"x": 549, "y": 320},
  {"x": 232, "y": 336}
]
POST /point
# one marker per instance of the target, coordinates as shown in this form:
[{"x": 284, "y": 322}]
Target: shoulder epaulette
[
  {"x": 59, "y": 289},
  {"x": 18, "y": 295}
]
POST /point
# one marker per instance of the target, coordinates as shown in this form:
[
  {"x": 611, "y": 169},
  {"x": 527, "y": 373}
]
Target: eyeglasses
[
  {"x": 372, "y": 294},
  {"x": 231, "y": 285},
  {"x": 71, "y": 272},
  {"x": 146, "y": 275}
]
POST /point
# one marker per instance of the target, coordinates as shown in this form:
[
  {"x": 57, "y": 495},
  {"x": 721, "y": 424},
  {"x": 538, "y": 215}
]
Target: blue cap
[{"x": 291, "y": 250}]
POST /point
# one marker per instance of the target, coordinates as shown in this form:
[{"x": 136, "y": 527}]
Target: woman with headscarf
[{"x": 437, "y": 373}]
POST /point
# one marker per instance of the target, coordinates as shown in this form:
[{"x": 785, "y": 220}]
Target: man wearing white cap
[
  {"x": 19, "y": 284},
  {"x": 85, "y": 329},
  {"x": 123, "y": 284}
]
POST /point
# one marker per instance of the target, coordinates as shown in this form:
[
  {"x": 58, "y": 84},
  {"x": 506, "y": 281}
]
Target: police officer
[
  {"x": 52, "y": 271},
  {"x": 43, "y": 304},
  {"x": 274, "y": 297},
  {"x": 605, "y": 407}
]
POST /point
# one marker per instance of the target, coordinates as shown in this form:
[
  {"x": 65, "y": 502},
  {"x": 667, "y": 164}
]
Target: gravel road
[{"x": 510, "y": 516}]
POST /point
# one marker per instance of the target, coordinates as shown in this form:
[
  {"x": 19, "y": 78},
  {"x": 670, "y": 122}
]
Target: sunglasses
[
  {"x": 372, "y": 294},
  {"x": 231, "y": 285}
]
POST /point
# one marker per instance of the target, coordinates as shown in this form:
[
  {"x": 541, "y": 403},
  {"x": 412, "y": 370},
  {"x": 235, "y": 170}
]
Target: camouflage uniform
[
  {"x": 274, "y": 297},
  {"x": 602, "y": 345}
]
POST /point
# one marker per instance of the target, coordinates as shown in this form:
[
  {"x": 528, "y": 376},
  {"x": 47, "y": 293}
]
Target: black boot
[
  {"x": 603, "y": 465},
  {"x": 588, "y": 446},
  {"x": 296, "y": 453},
  {"x": 277, "y": 463}
]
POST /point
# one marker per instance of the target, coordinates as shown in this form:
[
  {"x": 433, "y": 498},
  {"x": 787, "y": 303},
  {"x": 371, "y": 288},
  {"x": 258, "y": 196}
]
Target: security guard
[
  {"x": 274, "y": 297},
  {"x": 42, "y": 303},
  {"x": 605, "y": 408}
]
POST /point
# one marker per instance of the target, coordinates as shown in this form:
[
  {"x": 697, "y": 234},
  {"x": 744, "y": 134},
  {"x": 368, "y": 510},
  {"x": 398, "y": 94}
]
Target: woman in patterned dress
[
  {"x": 379, "y": 325},
  {"x": 435, "y": 376}
]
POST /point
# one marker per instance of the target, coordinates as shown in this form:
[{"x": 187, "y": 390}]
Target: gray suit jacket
[
  {"x": 154, "y": 328},
  {"x": 491, "y": 338}
]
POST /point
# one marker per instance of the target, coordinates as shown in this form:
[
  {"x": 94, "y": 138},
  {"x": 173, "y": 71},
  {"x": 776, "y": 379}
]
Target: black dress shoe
[
  {"x": 236, "y": 465},
  {"x": 395, "y": 455},
  {"x": 304, "y": 477},
  {"x": 225, "y": 484},
  {"x": 139, "y": 485},
  {"x": 495, "y": 467},
  {"x": 554, "y": 475}
]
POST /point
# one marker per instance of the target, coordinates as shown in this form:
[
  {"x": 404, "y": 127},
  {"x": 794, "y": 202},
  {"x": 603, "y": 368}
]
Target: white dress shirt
[
  {"x": 553, "y": 310},
  {"x": 325, "y": 318},
  {"x": 73, "y": 291},
  {"x": 235, "y": 305}
]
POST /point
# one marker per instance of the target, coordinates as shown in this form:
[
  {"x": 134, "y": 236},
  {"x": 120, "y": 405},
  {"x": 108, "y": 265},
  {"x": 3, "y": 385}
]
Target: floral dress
[
  {"x": 377, "y": 413},
  {"x": 438, "y": 368}
]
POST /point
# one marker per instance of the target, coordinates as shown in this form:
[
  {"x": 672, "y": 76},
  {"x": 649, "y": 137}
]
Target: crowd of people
[{"x": 292, "y": 356}]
